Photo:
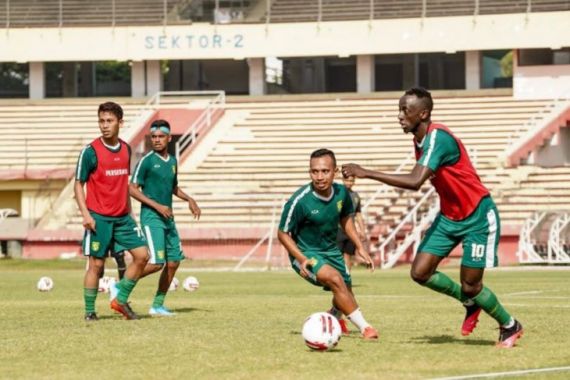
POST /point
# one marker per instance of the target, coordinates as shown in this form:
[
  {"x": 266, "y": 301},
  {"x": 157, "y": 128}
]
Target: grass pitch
[{"x": 247, "y": 326}]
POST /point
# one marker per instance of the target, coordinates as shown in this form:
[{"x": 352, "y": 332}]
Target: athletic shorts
[
  {"x": 163, "y": 241},
  {"x": 114, "y": 233},
  {"x": 346, "y": 246},
  {"x": 479, "y": 233},
  {"x": 334, "y": 259}
]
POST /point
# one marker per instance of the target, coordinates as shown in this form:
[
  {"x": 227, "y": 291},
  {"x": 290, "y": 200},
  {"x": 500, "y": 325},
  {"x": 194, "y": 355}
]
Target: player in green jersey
[
  {"x": 308, "y": 230},
  {"x": 154, "y": 181},
  {"x": 468, "y": 216}
]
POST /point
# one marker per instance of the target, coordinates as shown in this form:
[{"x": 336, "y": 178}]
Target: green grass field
[{"x": 247, "y": 326}]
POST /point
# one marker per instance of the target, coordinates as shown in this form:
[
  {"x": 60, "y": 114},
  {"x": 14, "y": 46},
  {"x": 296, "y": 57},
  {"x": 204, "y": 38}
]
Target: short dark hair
[
  {"x": 112, "y": 107},
  {"x": 324, "y": 152},
  {"x": 422, "y": 94},
  {"x": 160, "y": 123}
]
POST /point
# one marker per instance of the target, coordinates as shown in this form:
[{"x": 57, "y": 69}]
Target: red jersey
[
  {"x": 108, "y": 184},
  {"x": 459, "y": 187}
]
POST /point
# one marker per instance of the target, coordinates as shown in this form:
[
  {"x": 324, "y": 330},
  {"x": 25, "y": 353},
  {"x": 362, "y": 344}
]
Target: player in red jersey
[
  {"x": 104, "y": 167},
  {"x": 468, "y": 215}
]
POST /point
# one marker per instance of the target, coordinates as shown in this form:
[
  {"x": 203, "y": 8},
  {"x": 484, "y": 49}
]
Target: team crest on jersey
[
  {"x": 95, "y": 245},
  {"x": 339, "y": 205},
  {"x": 160, "y": 255},
  {"x": 173, "y": 169}
]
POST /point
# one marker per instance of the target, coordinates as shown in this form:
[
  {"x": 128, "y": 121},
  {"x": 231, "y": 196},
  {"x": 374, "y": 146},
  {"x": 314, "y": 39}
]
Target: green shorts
[
  {"x": 163, "y": 241},
  {"x": 334, "y": 259},
  {"x": 114, "y": 233},
  {"x": 479, "y": 233}
]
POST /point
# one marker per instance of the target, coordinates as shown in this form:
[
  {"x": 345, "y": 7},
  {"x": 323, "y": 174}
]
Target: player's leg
[
  {"x": 436, "y": 245},
  {"x": 95, "y": 245},
  {"x": 128, "y": 235},
  {"x": 119, "y": 257},
  {"x": 335, "y": 276},
  {"x": 480, "y": 252},
  {"x": 174, "y": 255}
]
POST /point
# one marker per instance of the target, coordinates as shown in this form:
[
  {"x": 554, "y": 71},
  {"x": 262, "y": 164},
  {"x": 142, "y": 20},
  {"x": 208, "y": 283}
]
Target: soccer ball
[
  {"x": 321, "y": 331},
  {"x": 191, "y": 284},
  {"x": 105, "y": 283},
  {"x": 173, "y": 285},
  {"x": 45, "y": 284}
]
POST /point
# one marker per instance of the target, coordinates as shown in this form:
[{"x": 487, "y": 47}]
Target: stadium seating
[
  {"x": 334, "y": 10},
  {"x": 46, "y": 13},
  {"x": 263, "y": 157},
  {"x": 48, "y": 137}
]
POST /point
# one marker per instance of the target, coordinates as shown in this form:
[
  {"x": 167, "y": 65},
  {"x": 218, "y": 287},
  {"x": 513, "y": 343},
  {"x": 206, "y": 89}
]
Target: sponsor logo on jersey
[
  {"x": 116, "y": 172},
  {"x": 157, "y": 165},
  {"x": 315, "y": 212}
]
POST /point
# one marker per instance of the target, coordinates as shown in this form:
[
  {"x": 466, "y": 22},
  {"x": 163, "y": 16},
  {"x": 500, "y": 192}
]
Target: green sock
[
  {"x": 126, "y": 286},
  {"x": 89, "y": 295},
  {"x": 441, "y": 283},
  {"x": 489, "y": 302},
  {"x": 158, "y": 299}
]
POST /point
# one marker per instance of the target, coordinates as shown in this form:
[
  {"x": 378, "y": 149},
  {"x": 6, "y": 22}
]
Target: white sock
[
  {"x": 336, "y": 312},
  {"x": 509, "y": 324},
  {"x": 358, "y": 320}
]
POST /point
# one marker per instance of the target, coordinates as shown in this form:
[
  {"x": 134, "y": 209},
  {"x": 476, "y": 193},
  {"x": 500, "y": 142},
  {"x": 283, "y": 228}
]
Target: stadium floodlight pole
[
  {"x": 165, "y": 10},
  {"x": 320, "y": 15},
  {"x": 113, "y": 14},
  {"x": 60, "y": 13},
  {"x": 371, "y": 10},
  {"x": 216, "y": 11},
  {"x": 268, "y": 11}
]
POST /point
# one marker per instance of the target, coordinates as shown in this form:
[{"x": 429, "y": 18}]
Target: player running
[
  {"x": 104, "y": 167},
  {"x": 154, "y": 180},
  {"x": 308, "y": 230},
  {"x": 468, "y": 215}
]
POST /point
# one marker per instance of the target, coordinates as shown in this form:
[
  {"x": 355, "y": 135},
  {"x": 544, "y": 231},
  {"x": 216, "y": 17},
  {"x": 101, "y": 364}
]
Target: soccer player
[
  {"x": 308, "y": 230},
  {"x": 468, "y": 215},
  {"x": 103, "y": 166},
  {"x": 346, "y": 245},
  {"x": 153, "y": 182}
]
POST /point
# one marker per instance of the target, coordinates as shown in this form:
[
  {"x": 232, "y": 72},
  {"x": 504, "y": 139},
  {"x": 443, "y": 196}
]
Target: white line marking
[
  {"x": 502, "y": 374},
  {"x": 523, "y": 293}
]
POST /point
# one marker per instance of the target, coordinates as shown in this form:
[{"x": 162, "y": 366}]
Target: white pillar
[
  {"x": 37, "y": 80},
  {"x": 153, "y": 77},
  {"x": 365, "y": 73},
  {"x": 138, "y": 85},
  {"x": 473, "y": 70},
  {"x": 256, "y": 76}
]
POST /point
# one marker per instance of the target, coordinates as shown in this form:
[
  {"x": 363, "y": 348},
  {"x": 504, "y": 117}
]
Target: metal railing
[
  {"x": 213, "y": 107},
  {"x": 64, "y": 13}
]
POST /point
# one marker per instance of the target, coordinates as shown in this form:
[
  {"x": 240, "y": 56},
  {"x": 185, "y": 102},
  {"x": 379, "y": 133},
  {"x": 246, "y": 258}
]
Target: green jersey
[
  {"x": 313, "y": 220},
  {"x": 158, "y": 177}
]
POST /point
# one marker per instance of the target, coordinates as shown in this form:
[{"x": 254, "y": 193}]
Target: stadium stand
[
  {"x": 335, "y": 10},
  {"x": 46, "y": 138}
]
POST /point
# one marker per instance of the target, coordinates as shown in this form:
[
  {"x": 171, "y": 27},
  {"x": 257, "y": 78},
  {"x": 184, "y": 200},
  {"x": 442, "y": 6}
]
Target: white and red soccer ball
[
  {"x": 321, "y": 331},
  {"x": 191, "y": 284},
  {"x": 45, "y": 284},
  {"x": 173, "y": 285},
  {"x": 105, "y": 284}
]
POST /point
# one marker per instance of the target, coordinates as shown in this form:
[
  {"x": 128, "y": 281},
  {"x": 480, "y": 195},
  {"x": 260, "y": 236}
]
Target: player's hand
[
  {"x": 363, "y": 254},
  {"x": 349, "y": 170},
  {"x": 307, "y": 263},
  {"x": 165, "y": 211},
  {"x": 89, "y": 223},
  {"x": 193, "y": 206}
]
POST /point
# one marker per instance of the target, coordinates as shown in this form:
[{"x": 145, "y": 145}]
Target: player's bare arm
[
  {"x": 347, "y": 225},
  {"x": 294, "y": 251},
  {"x": 192, "y": 205},
  {"x": 88, "y": 221},
  {"x": 412, "y": 181},
  {"x": 135, "y": 192}
]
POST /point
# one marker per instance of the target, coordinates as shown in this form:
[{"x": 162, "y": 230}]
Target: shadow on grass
[
  {"x": 443, "y": 339},
  {"x": 189, "y": 310}
]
